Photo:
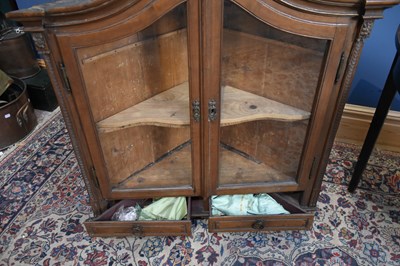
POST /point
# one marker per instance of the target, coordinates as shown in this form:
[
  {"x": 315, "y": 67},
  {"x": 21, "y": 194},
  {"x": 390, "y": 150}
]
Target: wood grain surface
[{"x": 171, "y": 109}]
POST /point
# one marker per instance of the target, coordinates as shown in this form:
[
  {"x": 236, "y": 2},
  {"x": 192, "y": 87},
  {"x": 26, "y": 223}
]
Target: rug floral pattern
[{"x": 43, "y": 204}]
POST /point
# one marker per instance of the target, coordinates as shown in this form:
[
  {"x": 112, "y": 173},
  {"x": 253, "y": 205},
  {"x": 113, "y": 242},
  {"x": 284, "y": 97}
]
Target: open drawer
[
  {"x": 103, "y": 225},
  {"x": 297, "y": 219}
]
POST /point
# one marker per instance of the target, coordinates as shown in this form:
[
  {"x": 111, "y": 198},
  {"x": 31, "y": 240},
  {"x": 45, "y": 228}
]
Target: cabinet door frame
[
  {"x": 333, "y": 29},
  {"x": 118, "y": 26}
]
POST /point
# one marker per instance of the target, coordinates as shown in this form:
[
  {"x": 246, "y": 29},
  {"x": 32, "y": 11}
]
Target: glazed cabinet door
[
  {"x": 134, "y": 79},
  {"x": 271, "y": 103}
]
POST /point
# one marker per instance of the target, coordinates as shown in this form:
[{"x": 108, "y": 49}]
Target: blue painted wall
[
  {"x": 28, "y": 3},
  {"x": 375, "y": 62}
]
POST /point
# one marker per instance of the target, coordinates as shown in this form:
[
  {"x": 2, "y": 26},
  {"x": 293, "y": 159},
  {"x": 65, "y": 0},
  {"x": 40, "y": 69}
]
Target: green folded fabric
[
  {"x": 168, "y": 208},
  {"x": 248, "y": 204}
]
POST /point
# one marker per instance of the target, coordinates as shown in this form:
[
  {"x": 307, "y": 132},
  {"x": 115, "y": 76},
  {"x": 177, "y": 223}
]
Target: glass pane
[
  {"x": 138, "y": 89},
  {"x": 269, "y": 80}
]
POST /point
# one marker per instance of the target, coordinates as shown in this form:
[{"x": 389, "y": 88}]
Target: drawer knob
[
  {"x": 137, "y": 230},
  {"x": 258, "y": 225}
]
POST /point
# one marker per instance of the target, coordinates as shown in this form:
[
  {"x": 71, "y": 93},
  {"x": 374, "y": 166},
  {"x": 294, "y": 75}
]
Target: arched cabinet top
[
  {"x": 89, "y": 13},
  {"x": 62, "y": 8},
  {"x": 96, "y": 20},
  {"x": 74, "y": 12}
]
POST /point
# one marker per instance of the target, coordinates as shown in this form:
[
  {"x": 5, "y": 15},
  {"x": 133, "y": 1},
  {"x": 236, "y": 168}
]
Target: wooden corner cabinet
[{"x": 201, "y": 98}]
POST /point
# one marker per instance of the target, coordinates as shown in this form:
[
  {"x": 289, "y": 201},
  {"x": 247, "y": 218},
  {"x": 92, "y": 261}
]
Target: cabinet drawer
[
  {"x": 298, "y": 219},
  {"x": 103, "y": 226}
]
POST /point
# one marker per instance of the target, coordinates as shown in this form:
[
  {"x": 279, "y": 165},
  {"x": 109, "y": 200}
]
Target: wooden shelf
[
  {"x": 171, "y": 170},
  {"x": 174, "y": 170},
  {"x": 171, "y": 109},
  {"x": 239, "y": 106},
  {"x": 237, "y": 169}
]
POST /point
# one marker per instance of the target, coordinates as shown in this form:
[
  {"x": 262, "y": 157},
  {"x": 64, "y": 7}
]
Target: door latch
[{"x": 212, "y": 110}]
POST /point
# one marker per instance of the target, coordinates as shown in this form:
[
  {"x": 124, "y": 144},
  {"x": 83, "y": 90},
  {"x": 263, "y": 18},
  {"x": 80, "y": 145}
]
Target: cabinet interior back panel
[
  {"x": 140, "y": 70},
  {"x": 128, "y": 153},
  {"x": 276, "y": 144},
  {"x": 280, "y": 71}
]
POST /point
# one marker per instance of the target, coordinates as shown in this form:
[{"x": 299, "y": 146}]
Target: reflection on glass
[
  {"x": 269, "y": 80},
  {"x": 141, "y": 111}
]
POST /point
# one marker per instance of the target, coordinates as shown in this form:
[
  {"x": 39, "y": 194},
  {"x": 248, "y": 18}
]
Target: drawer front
[
  {"x": 142, "y": 228},
  {"x": 104, "y": 226},
  {"x": 260, "y": 223}
]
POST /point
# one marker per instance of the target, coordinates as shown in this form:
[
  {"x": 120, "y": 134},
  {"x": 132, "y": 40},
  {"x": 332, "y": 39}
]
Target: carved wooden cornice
[{"x": 73, "y": 12}]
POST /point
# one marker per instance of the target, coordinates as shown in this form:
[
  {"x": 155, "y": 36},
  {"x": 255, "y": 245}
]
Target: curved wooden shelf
[
  {"x": 239, "y": 106},
  {"x": 237, "y": 169},
  {"x": 168, "y": 109},
  {"x": 171, "y": 109},
  {"x": 175, "y": 168}
]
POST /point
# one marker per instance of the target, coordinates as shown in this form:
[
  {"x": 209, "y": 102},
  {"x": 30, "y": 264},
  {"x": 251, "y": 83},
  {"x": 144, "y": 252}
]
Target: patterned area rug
[{"x": 43, "y": 204}]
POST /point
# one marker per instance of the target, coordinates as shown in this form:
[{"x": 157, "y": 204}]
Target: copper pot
[
  {"x": 17, "y": 118},
  {"x": 16, "y": 54}
]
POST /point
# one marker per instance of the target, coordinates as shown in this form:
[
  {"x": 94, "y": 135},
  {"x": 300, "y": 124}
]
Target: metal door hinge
[
  {"x": 312, "y": 168},
  {"x": 339, "y": 69},
  {"x": 196, "y": 110},
  {"x": 65, "y": 77},
  {"x": 94, "y": 177}
]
